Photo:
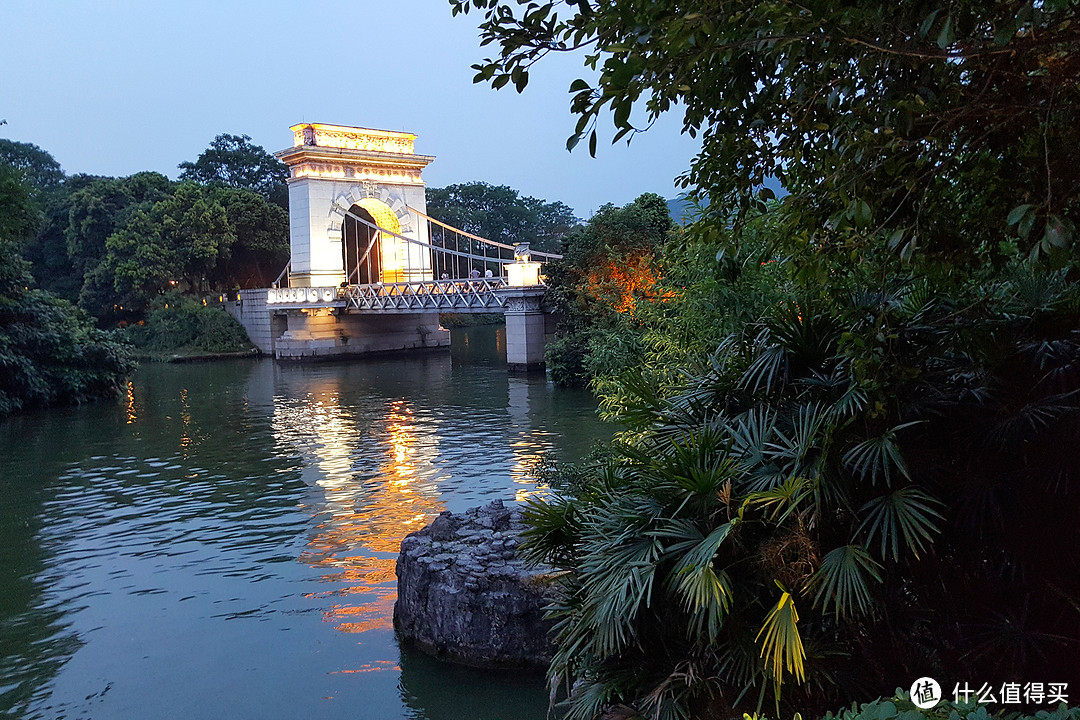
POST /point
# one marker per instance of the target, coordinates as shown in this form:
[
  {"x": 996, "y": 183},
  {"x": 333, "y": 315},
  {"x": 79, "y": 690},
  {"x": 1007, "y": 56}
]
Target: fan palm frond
[
  {"x": 705, "y": 593},
  {"x": 782, "y": 645},
  {"x": 800, "y": 446},
  {"x": 903, "y": 517},
  {"x": 843, "y": 581},
  {"x": 552, "y": 529},
  {"x": 784, "y": 499},
  {"x": 878, "y": 457},
  {"x": 768, "y": 370}
]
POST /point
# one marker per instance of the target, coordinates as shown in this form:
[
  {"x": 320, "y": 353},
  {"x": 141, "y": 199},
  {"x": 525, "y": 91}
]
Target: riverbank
[{"x": 192, "y": 355}]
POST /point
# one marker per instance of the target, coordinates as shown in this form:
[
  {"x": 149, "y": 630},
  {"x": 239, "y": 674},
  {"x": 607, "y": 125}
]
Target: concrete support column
[{"x": 525, "y": 328}]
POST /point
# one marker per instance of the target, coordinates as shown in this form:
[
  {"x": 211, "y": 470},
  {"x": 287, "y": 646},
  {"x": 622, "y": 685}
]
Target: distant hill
[
  {"x": 682, "y": 209},
  {"x": 679, "y": 207}
]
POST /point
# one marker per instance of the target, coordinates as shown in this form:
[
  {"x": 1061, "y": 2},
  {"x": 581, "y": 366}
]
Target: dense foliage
[
  {"x": 849, "y": 454},
  {"x": 610, "y": 266},
  {"x": 38, "y": 169},
  {"x": 814, "y": 513},
  {"x": 115, "y": 244},
  {"x": 889, "y": 122},
  {"x": 50, "y": 353},
  {"x": 232, "y": 161},
  {"x": 900, "y": 707},
  {"x": 177, "y": 323}
]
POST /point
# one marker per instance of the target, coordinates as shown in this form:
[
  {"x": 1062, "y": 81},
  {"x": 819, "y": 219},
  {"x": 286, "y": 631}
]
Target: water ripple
[{"x": 241, "y": 521}]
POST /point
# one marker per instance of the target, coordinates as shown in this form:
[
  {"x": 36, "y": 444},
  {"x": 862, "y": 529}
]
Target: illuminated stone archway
[
  {"x": 335, "y": 168},
  {"x": 370, "y": 256}
]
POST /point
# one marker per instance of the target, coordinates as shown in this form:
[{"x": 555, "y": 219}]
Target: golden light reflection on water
[
  {"x": 376, "y": 666},
  {"x": 185, "y": 418},
  {"x": 527, "y": 453},
  {"x": 130, "y": 403},
  {"x": 376, "y": 488}
]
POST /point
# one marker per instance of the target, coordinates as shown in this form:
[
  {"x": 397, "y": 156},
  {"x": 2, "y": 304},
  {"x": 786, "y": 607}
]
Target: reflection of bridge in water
[
  {"x": 370, "y": 271},
  {"x": 381, "y": 466}
]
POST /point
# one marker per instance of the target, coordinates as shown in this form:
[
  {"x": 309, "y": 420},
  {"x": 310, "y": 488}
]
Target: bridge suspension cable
[{"x": 372, "y": 254}]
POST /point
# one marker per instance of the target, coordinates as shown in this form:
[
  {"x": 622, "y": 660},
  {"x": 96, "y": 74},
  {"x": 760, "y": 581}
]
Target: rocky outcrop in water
[{"x": 465, "y": 595}]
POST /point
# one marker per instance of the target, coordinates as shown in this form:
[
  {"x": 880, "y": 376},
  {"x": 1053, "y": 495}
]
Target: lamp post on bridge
[{"x": 526, "y": 322}]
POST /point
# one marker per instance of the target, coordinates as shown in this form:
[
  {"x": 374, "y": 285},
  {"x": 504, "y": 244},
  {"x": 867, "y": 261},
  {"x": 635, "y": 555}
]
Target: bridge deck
[
  {"x": 481, "y": 295},
  {"x": 447, "y": 296}
]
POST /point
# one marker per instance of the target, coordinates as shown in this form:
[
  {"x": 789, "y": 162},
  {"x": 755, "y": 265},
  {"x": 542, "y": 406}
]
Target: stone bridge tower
[{"x": 374, "y": 174}]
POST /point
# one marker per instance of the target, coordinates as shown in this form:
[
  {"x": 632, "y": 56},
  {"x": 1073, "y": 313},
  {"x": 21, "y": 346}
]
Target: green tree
[
  {"x": 19, "y": 215},
  {"x": 39, "y": 169},
  {"x": 50, "y": 353},
  {"x": 500, "y": 213},
  {"x": 261, "y": 248},
  {"x": 179, "y": 239},
  {"x": 893, "y": 125},
  {"x": 101, "y": 207},
  {"x": 45, "y": 248},
  {"x": 233, "y": 161},
  {"x": 610, "y": 266}
]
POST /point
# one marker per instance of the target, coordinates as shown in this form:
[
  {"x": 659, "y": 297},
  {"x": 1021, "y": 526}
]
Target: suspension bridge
[{"x": 370, "y": 271}]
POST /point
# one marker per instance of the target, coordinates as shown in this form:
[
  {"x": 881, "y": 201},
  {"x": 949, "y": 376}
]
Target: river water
[{"x": 221, "y": 542}]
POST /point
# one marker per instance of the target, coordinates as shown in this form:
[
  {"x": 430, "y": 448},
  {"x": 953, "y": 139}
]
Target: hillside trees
[{"x": 112, "y": 243}]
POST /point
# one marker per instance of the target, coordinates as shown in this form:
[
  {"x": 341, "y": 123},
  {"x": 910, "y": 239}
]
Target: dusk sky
[{"x": 112, "y": 88}]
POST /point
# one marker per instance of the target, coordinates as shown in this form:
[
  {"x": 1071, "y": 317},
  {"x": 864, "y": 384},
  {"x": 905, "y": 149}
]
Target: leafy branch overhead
[{"x": 881, "y": 118}]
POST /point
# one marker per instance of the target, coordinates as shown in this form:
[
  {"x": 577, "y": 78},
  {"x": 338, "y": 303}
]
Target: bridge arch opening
[{"x": 367, "y": 255}]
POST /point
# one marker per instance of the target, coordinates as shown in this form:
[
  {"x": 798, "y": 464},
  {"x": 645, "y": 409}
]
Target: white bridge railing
[{"x": 448, "y": 296}]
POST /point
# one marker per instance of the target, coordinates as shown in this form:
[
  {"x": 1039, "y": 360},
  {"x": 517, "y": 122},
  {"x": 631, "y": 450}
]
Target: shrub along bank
[{"x": 180, "y": 325}]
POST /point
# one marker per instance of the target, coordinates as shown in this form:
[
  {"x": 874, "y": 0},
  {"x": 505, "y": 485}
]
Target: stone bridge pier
[{"x": 528, "y": 328}]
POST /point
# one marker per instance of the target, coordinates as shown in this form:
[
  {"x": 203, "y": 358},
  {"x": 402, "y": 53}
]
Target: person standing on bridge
[
  {"x": 488, "y": 273},
  {"x": 474, "y": 274}
]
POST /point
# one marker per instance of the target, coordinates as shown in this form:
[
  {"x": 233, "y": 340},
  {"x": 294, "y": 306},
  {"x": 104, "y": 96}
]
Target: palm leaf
[
  {"x": 905, "y": 516},
  {"x": 705, "y": 593},
  {"x": 552, "y": 530},
  {"x": 799, "y": 447},
  {"x": 878, "y": 457},
  {"x": 699, "y": 463},
  {"x": 785, "y": 498},
  {"x": 843, "y": 580},
  {"x": 768, "y": 368},
  {"x": 852, "y": 401},
  {"x": 751, "y": 434},
  {"x": 782, "y": 646}
]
